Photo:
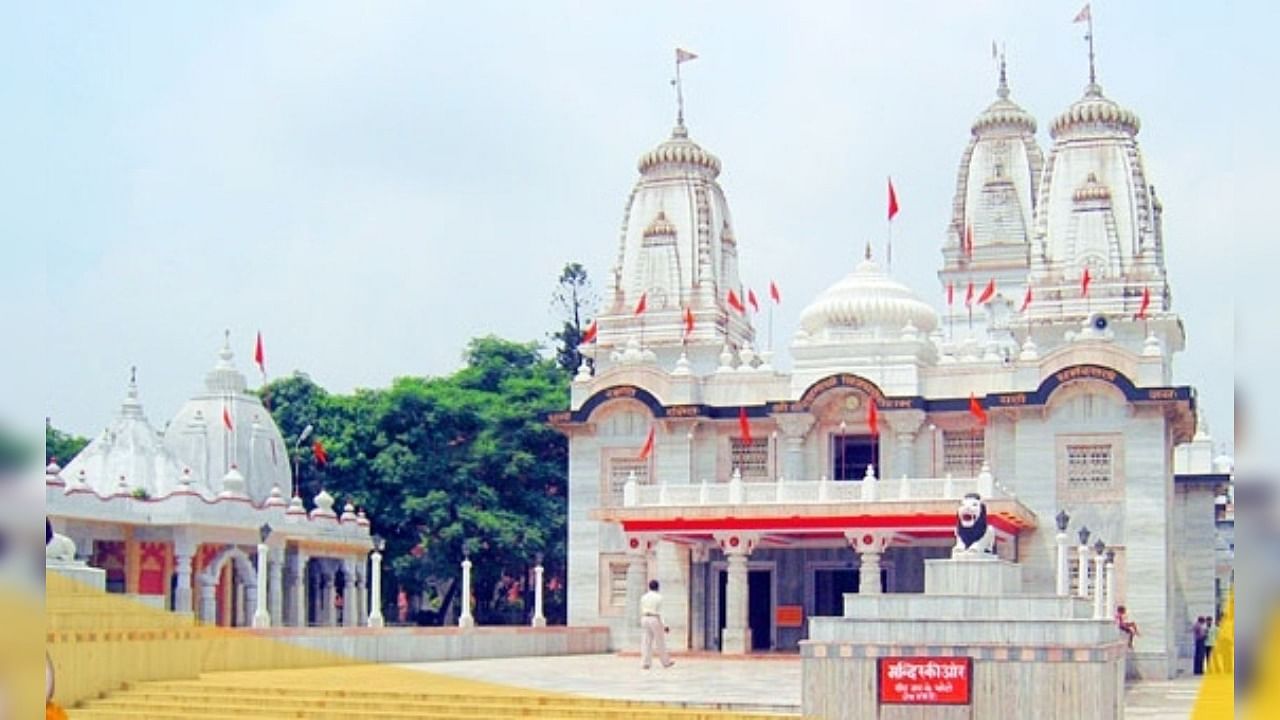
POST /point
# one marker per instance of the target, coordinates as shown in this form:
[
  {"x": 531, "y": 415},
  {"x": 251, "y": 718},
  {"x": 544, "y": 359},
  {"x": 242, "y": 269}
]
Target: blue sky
[{"x": 372, "y": 184}]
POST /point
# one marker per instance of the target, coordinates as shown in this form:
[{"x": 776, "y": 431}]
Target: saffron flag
[
  {"x": 643, "y": 304},
  {"x": 893, "y": 200},
  {"x": 688, "y": 322},
  {"x": 773, "y": 292},
  {"x": 976, "y": 410},
  {"x": 1146, "y": 303},
  {"x": 683, "y": 56},
  {"x": 744, "y": 426},
  {"x": 1084, "y": 283},
  {"x": 951, "y": 294},
  {"x": 1026, "y": 300},
  {"x": 317, "y": 450},
  {"x": 589, "y": 336},
  {"x": 873, "y": 417},
  {"x": 751, "y": 298},
  {"x": 647, "y": 449},
  {"x": 968, "y": 296},
  {"x": 1084, "y": 15},
  {"x": 988, "y": 292},
  {"x": 258, "y": 356},
  {"x": 736, "y": 303},
  {"x": 226, "y": 417}
]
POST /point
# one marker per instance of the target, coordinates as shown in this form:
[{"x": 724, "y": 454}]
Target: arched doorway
[{"x": 228, "y": 589}]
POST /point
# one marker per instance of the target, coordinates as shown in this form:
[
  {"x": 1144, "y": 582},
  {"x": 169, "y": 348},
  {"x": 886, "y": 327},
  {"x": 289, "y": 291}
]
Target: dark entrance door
[
  {"x": 759, "y": 608},
  {"x": 829, "y": 587},
  {"x": 851, "y": 454}
]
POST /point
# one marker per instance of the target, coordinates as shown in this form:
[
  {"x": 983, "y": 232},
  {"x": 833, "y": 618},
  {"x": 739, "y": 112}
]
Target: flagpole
[{"x": 771, "y": 327}]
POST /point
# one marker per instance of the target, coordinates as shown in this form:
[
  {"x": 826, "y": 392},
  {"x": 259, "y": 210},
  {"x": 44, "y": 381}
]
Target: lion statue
[
  {"x": 58, "y": 548},
  {"x": 974, "y": 537}
]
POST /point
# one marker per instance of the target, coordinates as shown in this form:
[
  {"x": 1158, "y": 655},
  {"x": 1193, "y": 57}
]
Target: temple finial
[
  {"x": 867, "y": 254},
  {"x": 1086, "y": 16},
  {"x": 1003, "y": 88},
  {"x": 133, "y": 374},
  {"x": 682, "y": 56}
]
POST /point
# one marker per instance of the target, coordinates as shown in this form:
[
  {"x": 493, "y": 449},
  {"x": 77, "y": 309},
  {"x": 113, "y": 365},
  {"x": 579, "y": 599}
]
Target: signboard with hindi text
[{"x": 924, "y": 680}]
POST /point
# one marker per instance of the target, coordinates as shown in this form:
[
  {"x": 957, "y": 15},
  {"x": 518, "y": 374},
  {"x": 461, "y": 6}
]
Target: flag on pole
[
  {"x": 683, "y": 56},
  {"x": 893, "y": 200},
  {"x": 773, "y": 292},
  {"x": 873, "y": 417},
  {"x": 318, "y": 451},
  {"x": 968, "y": 296},
  {"x": 744, "y": 425},
  {"x": 643, "y": 304},
  {"x": 751, "y": 298},
  {"x": 1084, "y": 15},
  {"x": 1146, "y": 303},
  {"x": 951, "y": 294},
  {"x": 589, "y": 336},
  {"x": 736, "y": 303},
  {"x": 688, "y": 322},
  {"x": 1026, "y": 301},
  {"x": 976, "y": 410},
  {"x": 988, "y": 292},
  {"x": 226, "y": 417},
  {"x": 1084, "y": 283},
  {"x": 647, "y": 449},
  {"x": 259, "y": 357}
]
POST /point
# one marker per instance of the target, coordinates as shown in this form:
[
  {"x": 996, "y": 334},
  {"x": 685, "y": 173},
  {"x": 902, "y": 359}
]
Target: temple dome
[
  {"x": 129, "y": 448},
  {"x": 866, "y": 303},
  {"x": 1093, "y": 113},
  {"x": 681, "y": 153},
  {"x": 1004, "y": 114}
]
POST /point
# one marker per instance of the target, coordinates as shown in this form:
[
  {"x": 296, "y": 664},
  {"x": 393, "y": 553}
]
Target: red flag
[
  {"x": 590, "y": 335},
  {"x": 317, "y": 449},
  {"x": 968, "y": 296},
  {"x": 688, "y": 321},
  {"x": 1146, "y": 303},
  {"x": 643, "y": 304},
  {"x": 744, "y": 426},
  {"x": 683, "y": 56},
  {"x": 226, "y": 417},
  {"x": 751, "y": 298},
  {"x": 258, "y": 356},
  {"x": 773, "y": 292},
  {"x": 735, "y": 303},
  {"x": 647, "y": 449},
  {"x": 1084, "y": 15},
  {"x": 951, "y": 294},
  {"x": 1084, "y": 283},
  {"x": 893, "y": 200},
  {"x": 873, "y": 417},
  {"x": 988, "y": 292},
  {"x": 1026, "y": 300},
  {"x": 975, "y": 409}
]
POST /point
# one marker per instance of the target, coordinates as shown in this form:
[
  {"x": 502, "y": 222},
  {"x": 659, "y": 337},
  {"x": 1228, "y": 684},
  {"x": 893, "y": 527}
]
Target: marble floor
[{"x": 761, "y": 683}]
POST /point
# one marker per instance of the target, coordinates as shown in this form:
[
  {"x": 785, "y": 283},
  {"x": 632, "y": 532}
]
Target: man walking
[
  {"x": 1210, "y": 639},
  {"x": 652, "y": 628},
  {"x": 1199, "y": 632}
]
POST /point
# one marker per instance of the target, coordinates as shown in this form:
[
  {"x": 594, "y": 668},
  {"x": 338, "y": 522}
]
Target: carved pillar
[
  {"x": 208, "y": 599},
  {"x": 735, "y": 636},
  {"x": 539, "y": 620},
  {"x": 298, "y": 579},
  {"x": 905, "y": 425},
  {"x": 259, "y": 599},
  {"x": 359, "y": 602},
  {"x": 275, "y": 585},
  {"x": 183, "y": 553},
  {"x": 1063, "y": 569},
  {"x": 794, "y": 427},
  {"x": 348, "y": 593},
  {"x": 328, "y": 610},
  {"x": 870, "y": 547},
  {"x": 1082, "y": 588}
]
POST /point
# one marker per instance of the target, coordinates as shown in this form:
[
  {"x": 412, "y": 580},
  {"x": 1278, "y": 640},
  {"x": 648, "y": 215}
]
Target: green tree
[
  {"x": 60, "y": 445},
  {"x": 575, "y": 302}
]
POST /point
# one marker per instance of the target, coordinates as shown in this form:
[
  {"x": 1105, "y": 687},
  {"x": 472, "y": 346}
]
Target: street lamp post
[
  {"x": 297, "y": 458},
  {"x": 1099, "y": 590},
  {"x": 375, "y": 589},
  {"x": 466, "y": 620},
  {"x": 262, "y": 618},
  {"x": 538, "y": 619},
  {"x": 1064, "y": 573}
]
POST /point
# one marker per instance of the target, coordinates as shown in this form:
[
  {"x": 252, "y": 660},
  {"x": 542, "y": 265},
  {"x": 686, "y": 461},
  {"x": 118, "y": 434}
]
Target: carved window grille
[
  {"x": 620, "y": 468},
  {"x": 751, "y": 458},
  {"x": 1089, "y": 465},
  {"x": 963, "y": 452},
  {"x": 613, "y": 584}
]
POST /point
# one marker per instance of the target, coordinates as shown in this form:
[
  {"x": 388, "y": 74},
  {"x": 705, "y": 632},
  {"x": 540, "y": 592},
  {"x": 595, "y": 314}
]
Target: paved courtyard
[{"x": 770, "y": 683}]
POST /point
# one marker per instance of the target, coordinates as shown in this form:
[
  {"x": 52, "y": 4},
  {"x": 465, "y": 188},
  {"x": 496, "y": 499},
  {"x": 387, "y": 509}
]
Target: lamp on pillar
[
  {"x": 538, "y": 619},
  {"x": 262, "y": 618},
  {"x": 1082, "y": 555},
  {"x": 375, "y": 588},
  {"x": 1064, "y": 573},
  {"x": 466, "y": 620},
  {"x": 1111, "y": 583},
  {"x": 1099, "y": 559}
]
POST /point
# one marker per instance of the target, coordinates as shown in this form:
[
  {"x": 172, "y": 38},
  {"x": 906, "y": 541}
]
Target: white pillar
[
  {"x": 1111, "y": 588},
  {"x": 1082, "y": 585},
  {"x": 329, "y": 612},
  {"x": 361, "y": 596},
  {"x": 869, "y": 573},
  {"x": 466, "y": 620},
  {"x": 182, "y": 591},
  {"x": 301, "y": 588},
  {"x": 375, "y": 591},
  {"x": 275, "y": 589},
  {"x": 261, "y": 618},
  {"x": 1063, "y": 570},
  {"x": 208, "y": 600},
  {"x": 538, "y": 619},
  {"x": 349, "y": 604},
  {"x": 735, "y": 637},
  {"x": 794, "y": 427},
  {"x": 1099, "y": 590}
]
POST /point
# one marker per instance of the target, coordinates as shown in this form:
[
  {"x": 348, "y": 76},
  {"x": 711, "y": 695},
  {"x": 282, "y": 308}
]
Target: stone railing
[{"x": 781, "y": 491}]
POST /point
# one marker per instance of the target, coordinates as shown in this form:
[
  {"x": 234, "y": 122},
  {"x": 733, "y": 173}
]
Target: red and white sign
[{"x": 925, "y": 680}]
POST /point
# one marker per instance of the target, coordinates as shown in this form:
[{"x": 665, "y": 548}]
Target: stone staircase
[{"x": 365, "y": 691}]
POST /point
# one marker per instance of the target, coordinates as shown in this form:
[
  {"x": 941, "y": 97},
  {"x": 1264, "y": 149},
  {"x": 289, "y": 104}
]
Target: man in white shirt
[{"x": 652, "y": 627}]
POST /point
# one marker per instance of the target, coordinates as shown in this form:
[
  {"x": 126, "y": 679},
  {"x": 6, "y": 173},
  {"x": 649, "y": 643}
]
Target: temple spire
[
  {"x": 1002, "y": 89},
  {"x": 682, "y": 56}
]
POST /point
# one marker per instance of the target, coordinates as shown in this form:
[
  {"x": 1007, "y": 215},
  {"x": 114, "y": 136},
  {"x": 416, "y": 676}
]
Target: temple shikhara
[{"x": 1045, "y": 384}]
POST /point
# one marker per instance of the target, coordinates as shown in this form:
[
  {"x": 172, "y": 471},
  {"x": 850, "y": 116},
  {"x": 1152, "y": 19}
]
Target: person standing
[
  {"x": 1199, "y": 632},
  {"x": 1210, "y": 639},
  {"x": 652, "y": 628}
]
